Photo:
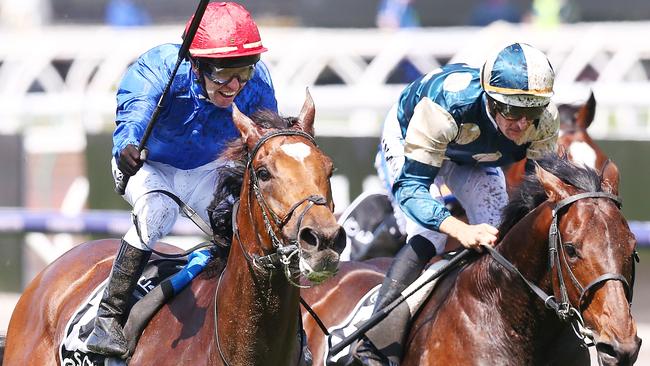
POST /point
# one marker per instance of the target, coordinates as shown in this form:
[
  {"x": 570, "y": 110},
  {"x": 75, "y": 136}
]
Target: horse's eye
[
  {"x": 263, "y": 174},
  {"x": 571, "y": 250},
  {"x": 332, "y": 171}
]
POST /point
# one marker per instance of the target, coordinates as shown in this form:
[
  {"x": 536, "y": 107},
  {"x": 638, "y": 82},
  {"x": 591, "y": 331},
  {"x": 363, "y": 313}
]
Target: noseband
[{"x": 282, "y": 251}]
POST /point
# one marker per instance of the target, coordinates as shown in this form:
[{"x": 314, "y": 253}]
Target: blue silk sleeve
[{"x": 138, "y": 96}]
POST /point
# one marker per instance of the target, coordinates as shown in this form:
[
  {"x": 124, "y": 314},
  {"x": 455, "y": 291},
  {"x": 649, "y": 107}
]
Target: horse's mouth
[{"x": 320, "y": 267}]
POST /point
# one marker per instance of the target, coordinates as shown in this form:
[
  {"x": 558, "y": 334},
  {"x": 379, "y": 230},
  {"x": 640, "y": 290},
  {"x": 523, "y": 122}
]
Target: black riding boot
[
  {"x": 107, "y": 337},
  {"x": 406, "y": 268}
]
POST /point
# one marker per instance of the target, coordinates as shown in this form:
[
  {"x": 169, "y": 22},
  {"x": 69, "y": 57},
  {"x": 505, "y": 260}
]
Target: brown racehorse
[
  {"x": 573, "y": 140},
  {"x": 249, "y": 315},
  {"x": 483, "y": 314}
]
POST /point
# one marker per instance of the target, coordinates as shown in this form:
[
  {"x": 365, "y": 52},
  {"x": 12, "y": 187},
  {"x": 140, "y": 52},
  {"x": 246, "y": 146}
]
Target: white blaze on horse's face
[
  {"x": 581, "y": 152},
  {"x": 298, "y": 151}
]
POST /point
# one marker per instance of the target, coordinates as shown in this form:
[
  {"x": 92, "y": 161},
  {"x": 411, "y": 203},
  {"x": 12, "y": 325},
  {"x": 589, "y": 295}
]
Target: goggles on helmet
[
  {"x": 223, "y": 75},
  {"x": 516, "y": 113}
]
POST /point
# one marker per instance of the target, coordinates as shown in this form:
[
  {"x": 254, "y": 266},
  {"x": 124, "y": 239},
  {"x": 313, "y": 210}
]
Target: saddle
[{"x": 161, "y": 280}]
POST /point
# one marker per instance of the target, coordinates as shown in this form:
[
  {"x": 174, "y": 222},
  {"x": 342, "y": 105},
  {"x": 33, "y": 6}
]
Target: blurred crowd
[{"x": 390, "y": 14}]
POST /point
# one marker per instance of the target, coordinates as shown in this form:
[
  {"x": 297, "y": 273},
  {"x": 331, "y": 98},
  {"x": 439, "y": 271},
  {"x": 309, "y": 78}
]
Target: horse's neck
[
  {"x": 513, "y": 306},
  {"x": 527, "y": 251},
  {"x": 263, "y": 306}
]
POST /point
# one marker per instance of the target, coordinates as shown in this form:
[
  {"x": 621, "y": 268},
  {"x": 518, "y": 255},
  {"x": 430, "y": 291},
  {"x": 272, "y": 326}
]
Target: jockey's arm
[
  {"x": 429, "y": 131},
  {"x": 138, "y": 95}
]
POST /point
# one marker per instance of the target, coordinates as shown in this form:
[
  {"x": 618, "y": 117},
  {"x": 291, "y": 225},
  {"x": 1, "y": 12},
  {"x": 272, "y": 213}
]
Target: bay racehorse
[
  {"x": 565, "y": 233},
  {"x": 248, "y": 314},
  {"x": 573, "y": 140}
]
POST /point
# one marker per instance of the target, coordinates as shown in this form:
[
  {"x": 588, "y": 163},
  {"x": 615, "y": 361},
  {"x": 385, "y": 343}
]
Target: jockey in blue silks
[
  {"x": 457, "y": 126},
  {"x": 192, "y": 129}
]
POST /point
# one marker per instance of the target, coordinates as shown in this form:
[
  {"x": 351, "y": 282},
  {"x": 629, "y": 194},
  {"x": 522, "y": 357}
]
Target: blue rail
[
  {"x": 116, "y": 223},
  {"x": 108, "y": 222}
]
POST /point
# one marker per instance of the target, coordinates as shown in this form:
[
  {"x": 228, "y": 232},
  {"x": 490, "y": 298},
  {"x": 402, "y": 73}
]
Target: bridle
[
  {"x": 283, "y": 251},
  {"x": 555, "y": 240},
  {"x": 564, "y": 309}
]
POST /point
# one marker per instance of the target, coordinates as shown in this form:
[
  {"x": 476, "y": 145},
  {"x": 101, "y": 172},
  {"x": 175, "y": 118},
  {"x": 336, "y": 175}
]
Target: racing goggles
[
  {"x": 224, "y": 75},
  {"x": 510, "y": 112}
]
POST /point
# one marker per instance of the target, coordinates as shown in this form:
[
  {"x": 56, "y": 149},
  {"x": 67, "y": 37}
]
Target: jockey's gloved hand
[{"x": 129, "y": 162}]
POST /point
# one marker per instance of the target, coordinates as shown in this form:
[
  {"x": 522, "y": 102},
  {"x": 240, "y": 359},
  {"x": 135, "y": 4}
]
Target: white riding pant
[
  {"x": 480, "y": 190},
  {"x": 156, "y": 213}
]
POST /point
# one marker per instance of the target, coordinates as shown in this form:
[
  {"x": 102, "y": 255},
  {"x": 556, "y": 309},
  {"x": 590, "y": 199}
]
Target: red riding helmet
[{"x": 226, "y": 30}]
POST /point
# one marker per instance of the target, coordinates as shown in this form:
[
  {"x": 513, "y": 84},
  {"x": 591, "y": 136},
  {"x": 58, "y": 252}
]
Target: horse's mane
[
  {"x": 230, "y": 174},
  {"x": 530, "y": 193}
]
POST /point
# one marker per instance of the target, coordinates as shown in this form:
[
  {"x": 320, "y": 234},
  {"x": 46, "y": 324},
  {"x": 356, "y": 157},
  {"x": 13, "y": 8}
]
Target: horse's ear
[
  {"x": 610, "y": 178},
  {"x": 586, "y": 113},
  {"x": 555, "y": 189},
  {"x": 307, "y": 115},
  {"x": 250, "y": 133}
]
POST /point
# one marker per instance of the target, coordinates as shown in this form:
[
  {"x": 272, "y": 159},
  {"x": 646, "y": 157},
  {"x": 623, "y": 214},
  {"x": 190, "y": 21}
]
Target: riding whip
[{"x": 182, "y": 54}]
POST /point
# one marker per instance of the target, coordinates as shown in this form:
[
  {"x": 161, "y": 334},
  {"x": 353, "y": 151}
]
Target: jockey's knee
[
  {"x": 424, "y": 248},
  {"x": 427, "y": 241},
  {"x": 155, "y": 216}
]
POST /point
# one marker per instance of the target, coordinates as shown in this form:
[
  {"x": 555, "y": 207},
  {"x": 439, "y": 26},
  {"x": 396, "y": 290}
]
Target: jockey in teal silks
[{"x": 457, "y": 126}]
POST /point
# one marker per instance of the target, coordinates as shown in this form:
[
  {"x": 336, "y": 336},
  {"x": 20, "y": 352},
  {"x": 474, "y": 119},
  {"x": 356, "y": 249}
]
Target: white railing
[{"x": 34, "y": 93}]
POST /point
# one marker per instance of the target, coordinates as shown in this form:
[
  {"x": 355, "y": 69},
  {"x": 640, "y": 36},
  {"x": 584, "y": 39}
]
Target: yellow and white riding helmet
[{"x": 518, "y": 75}]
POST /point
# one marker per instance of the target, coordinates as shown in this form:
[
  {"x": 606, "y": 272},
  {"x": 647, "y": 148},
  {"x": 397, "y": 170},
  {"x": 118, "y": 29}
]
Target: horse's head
[
  {"x": 574, "y": 140},
  {"x": 594, "y": 259},
  {"x": 287, "y": 189}
]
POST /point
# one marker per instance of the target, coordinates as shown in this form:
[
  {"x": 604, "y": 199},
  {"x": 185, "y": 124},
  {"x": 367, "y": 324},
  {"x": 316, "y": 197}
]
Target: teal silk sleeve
[{"x": 411, "y": 189}]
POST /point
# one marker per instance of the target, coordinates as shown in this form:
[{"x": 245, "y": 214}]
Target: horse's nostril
[
  {"x": 333, "y": 239},
  {"x": 340, "y": 240},
  {"x": 309, "y": 237}
]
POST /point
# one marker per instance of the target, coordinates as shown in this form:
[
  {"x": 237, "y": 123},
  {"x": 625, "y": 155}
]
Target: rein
[{"x": 564, "y": 310}]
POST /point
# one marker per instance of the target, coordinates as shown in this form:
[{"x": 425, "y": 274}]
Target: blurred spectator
[
  {"x": 550, "y": 13},
  {"x": 395, "y": 14},
  {"x": 25, "y": 13},
  {"x": 126, "y": 13},
  {"x": 399, "y": 14},
  {"x": 488, "y": 11}
]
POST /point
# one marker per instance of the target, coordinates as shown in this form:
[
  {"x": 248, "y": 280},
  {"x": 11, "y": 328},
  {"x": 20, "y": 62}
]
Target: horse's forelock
[{"x": 531, "y": 194}]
